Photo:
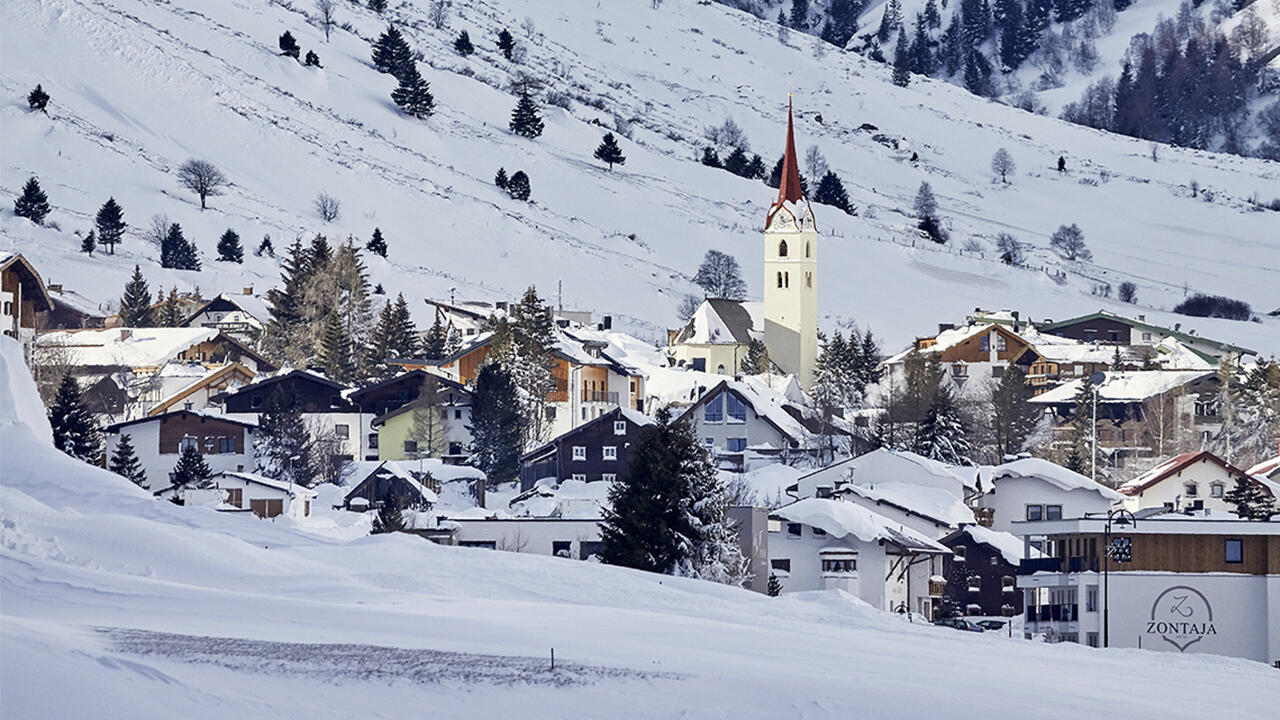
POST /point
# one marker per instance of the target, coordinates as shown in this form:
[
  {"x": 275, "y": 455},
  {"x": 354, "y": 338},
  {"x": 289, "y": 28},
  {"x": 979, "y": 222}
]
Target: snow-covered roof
[
  {"x": 721, "y": 321},
  {"x": 1038, "y": 468},
  {"x": 570, "y": 500},
  {"x": 1009, "y": 545},
  {"x": 1266, "y": 468},
  {"x": 884, "y": 465},
  {"x": 949, "y": 338},
  {"x": 1125, "y": 386},
  {"x": 252, "y": 305},
  {"x": 1171, "y": 467},
  {"x": 126, "y": 347},
  {"x": 844, "y": 519},
  {"x": 768, "y": 403},
  {"x": 295, "y": 489}
]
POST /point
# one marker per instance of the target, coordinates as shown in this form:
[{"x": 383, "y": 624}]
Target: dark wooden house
[
  {"x": 394, "y": 393},
  {"x": 388, "y": 481},
  {"x": 596, "y": 450},
  {"x": 314, "y": 394},
  {"x": 982, "y": 573}
]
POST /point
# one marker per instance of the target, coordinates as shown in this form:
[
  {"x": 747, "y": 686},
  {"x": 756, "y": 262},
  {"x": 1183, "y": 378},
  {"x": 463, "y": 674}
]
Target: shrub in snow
[
  {"x": 518, "y": 186},
  {"x": 1128, "y": 292},
  {"x": 463, "y": 44},
  {"x": 38, "y": 99},
  {"x": 1010, "y": 249},
  {"x": 1217, "y": 306},
  {"x": 312, "y": 59},
  {"x": 289, "y": 46},
  {"x": 327, "y": 207}
]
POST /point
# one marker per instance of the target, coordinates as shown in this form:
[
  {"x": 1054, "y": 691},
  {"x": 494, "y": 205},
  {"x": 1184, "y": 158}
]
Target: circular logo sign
[{"x": 1182, "y": 616}]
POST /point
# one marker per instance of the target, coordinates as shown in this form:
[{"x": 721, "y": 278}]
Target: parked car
[
  {"x": 992, "y": 624},
  {"x": 958, "y": 624}
]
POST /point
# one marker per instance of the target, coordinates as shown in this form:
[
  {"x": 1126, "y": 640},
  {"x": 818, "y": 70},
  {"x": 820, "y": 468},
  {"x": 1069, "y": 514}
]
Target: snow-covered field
[
  {"x": 116, "y": 605},
  {"x": 140, "y": 86}
]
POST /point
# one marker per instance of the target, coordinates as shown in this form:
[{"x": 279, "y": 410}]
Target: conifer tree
[
  {"x": 394, "y": 336},
  {"x": 506, "y": 43},
  {"x": 1082, "y": 428},
  {"x": 312, "y": 59},
  {"x": 391, "y": 52},
  {"x": 452, "y": 342},
  {"x": 89, "y": 243},
  {"x": 1013, "y": 417},
  {"x": 775, "y": 586},
  {"x": 497, "y": 427},
  {"x": 135, "y": 305},
  {"x": 831, "y": 192},
  {"x": 390, "y": 516},
  {"x": 110, "y": 224},
  {"x": 32, "y": 204},
  {"x": 710, "y": 158},
  {"x": 38, "y": 99},
  {"x": 525, "y": 120},
  {"x": 942, "y": 435},
  {"x": 282, "y": 447},
  {"x": 902, "y": 61},
  {"x": 518, "y": 186},
  {"x": 434, "y": 344},
  {"x": 501, "y": 178},
  {"x": 756, "y": 359},
  {"x": 265, "y": 247},
  {"x": 891, "y": 20},
  {"x": 289, "y": 45},
  {"x": 378, "y": 6},
  {"x": 170, "y": 310},
  {"x": 413, "y": 96},
  {"x": 530, "y": 362},
  {"x": 74, "y": 430},
  {"x": 177, "y": 252},
  {"x": 191, "y": 470},
  {"x": 463, "y": 44},
  {"x": 124, "y": 462},
  {"x": 609, "y": 152},
  {"x": 229, "y": 249},
  {"x": 287, "y": 319},
  {"x": 377, "y": 245},
  {"x": 335, "y": 351},
  {"x": 1251, "y": 500}
]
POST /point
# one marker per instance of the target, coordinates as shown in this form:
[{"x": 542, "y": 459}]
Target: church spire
[{"x": 789, "y": 189}]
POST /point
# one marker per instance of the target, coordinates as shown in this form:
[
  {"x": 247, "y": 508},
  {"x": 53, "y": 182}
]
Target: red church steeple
[{"x": 789, "y": 189}]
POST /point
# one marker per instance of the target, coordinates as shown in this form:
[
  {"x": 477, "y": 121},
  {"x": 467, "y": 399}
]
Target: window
[
  {"x": 1035, "y": 512},
  {"x": 1191, "y": 489},
  {"x": 455, "y": 448},
  {"x": 1207, "y": 408},
  {"x": 486, "y": 544},
  {"x": 819, "y": 532},
  {"x": 984, "y": 343},
  {"x": 255, "y": 401},
  {"x": 1052, "y": 512},
  {"x": 709, "y": 442},
  {"x": 210, "y": 443},
  {"x": 609, "y": 477},
  {"x": 342, "y": 431},
  {"x": 1001, "y": 343},
  {"x": 1146, "y": 337},
  {"x": 737, "y": 411},
  {"x": 783, "y": 564},
  {"x": 782, "y": 249},
  {"x": 779, "y": 279},
  {"x": 1090, "y": 335},
  {"x": 1006, "y": 584},
  {"x": 457, "y": 414},
  {"x": 373, "y": 441},
  {"x": 410, "y": 447},
  {"x": 808, "y": 250},
  {"x": 823, "y": 491},
  {"x": 975, "y": 584},
  {"x": 1091, "y": 598},
  {"x": 995, "y": 559},
  {"x": 736, "y": 444},
  {"x": 1113, "y": 335},
  {"x": 793, "y": 529},
  {"x": 786, "y": 279},
  {"x": 997, "y": 372},
  {"x": 1091, "y": 639},
  {"x": 560, "y": 548},
  {"x": 959, "y": 370},
  {"x": 444, "y": 413},
  {"x": 1235, "y": 550},
  {"x": 619, "y": 427},
  {"x": 720, "y": 369},
  {"x": 188, "y": 442},
  {"x": 580, "y": 477},
  {"x": 808, "y": 279},
  {"x": 842, "y": 565},
  {"x": 579, "y": 452},
  {"x": 226, "y": 445},
  {"x": 609, "y": 452},
  {"x": 550, "y": 413},
  {"x": 959, "y": 553},
  {"x": 1215, "y": 490},
  {"x": 714, "y": 411}
]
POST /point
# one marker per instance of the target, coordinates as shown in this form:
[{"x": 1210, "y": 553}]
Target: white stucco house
[
  {"x": 1192, "y": 481},
  {"x": 249, "y": 492},
  {"x": 1035, "y": 490},
  {"x": 225, "y": 442}
]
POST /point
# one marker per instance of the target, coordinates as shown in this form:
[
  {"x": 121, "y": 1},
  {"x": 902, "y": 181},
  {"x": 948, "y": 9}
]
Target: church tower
[{"x": 791, "y": 273}]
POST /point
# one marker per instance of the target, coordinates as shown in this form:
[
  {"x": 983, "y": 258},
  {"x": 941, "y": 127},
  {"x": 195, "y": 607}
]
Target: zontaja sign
[{"x": 1181, "y": 616}]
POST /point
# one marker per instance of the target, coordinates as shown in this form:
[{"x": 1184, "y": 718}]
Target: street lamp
[
  {"x": 1095, "y": 380},
  {"x": 1121, "y": 550}
]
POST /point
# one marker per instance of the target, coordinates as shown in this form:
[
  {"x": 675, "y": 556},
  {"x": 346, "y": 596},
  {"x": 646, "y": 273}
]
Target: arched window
[
  {"x": 786, "y": 279},
  {"x": 808, "y": 279},
  {"x": 779, "y": 279},
  {"x": 782, "y": 249},
  {"x": 720, "y": 369},
  {"x": 807, "y": 250}
]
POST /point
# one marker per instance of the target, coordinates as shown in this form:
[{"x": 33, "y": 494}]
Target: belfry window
[
  {"x": 786, "y": 279},
  {"x": 808, "y": 279},
  {"x": 779, "y": 279},
  {"x": 782, "y": 249},
  {"x": 807, "y": 250}
]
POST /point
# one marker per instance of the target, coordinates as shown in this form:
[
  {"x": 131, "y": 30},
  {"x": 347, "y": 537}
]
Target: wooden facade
[
  {"x": 979, "y": 578},
  {"x": 1173, "y": 552},
  {"x": 1009, "y": 347},
  {"x": 213, "y": 435},
  {"x": 313, "y": 393},
  {"x": 602, "y": 451}
]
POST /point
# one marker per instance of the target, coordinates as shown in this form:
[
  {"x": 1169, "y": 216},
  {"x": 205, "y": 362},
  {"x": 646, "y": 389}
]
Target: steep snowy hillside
[
  {"x": 139, "y": 86},
  {"x": 115, "y": 604}
]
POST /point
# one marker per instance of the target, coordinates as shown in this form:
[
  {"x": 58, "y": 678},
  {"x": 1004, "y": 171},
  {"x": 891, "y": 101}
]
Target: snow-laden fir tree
[
  {"x": 518, "y": 186},
  {"x": 339, "y": 286},
  {"x": 497, "y": 427},
  {"x": 378, "y": 6},
  {"x": 902, "y": 62},
  {"x": 89, "y": 243},
  {"x": 716, "y": 554},
  {"x": 125, "y": 463},
  {"x": 377, "y": 244},
  {"x": 831, "y": 192},
  {"x": 192, "y": 469},
  {"x": 434, "y": 341},
  {"x": 394, "y": 336},
  {"x": 282, "y": 446},
  {"x": 462, "y": 45},
  {"x": 74, "y": 430},
  {"x": 32, "y": 204},
  {"x": 1251, "y": 500},
  {"x": 609, "y": 152},
  {"x": 110, "y": 224},
  {"x": 229, "y": 248},
  {"x": 38, "y": 99},
  {"x": 775, "y": 586},
  {"x": 413, "y": 95},
  {"x": 1013, "y": 417},
  {"x": 452, "y": 342},
  {"x": 943, "y": 435},
  {"x": 135, "y": 304},
  {"x": 1081, "y": 430},
  {"x": 525, "y": 120},
  {"x": 335, "y": 351}
]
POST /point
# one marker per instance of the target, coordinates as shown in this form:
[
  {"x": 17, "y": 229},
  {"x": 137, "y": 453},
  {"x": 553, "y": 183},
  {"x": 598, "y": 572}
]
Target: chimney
[
  {"x": 51, "y": 287},
  {"x": 943, "y": 327},
  {"x": 607, "y": 322},
  {"x": 125, "y": 334},
  {"x": 1177, "y": 327},
  {"x": 248, "y": 290},
  {"x": 1142, "y": 318}
]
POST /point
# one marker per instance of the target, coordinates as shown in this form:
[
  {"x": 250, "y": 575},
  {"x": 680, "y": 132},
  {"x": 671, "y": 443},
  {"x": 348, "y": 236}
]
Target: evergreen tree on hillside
[
  {"x": 391, "y": 53},
  {"x": 831, "y": 192},
  {"x": 1067, "y": 10},
  {"x": 609, "y": 152},
  {"x": 413, "y": 95},
  {"x": 89, "y": 243},
  {"x": 32, "y": 204},
  {"x": 463, "y": 44},
  {"x": 525, "y": 119},
  {"x": 265, "y": 247},
  {"x": 800, "y": 14},
  {"x": 506, "y": 43},
  {"x": 842, "y": 21},
  {"x": 394, "y": 336},
  {"x": 1013, "y": 46},
  {"x": 192, "y": 469},
  {"x": 335, "y": 351},
  {"x": 177, "y": 252},
  {"x": 135, "y": 304},
  {"x": 229, "y": 248},
  {"x": 38, "y": 99},
  {"x": 282, "y": 447},
  {"x": 312, "y": 59},
  {"x": 500, "y": 179},
  {"x": 775, "y": 178},
  {"x": 110, "y": 224},
  {"x": 74, "y": 430},
  {"x": 377, "y": 245},
  {"x": 868, "y": 370},
  {"x": 1013, "y": 417},
  {"x": 1251, "y": 500},
  {"x": 287, "y": 319},
  {"x": 737, "y": 162},
  {"x": 496, "y": 425},
  {"x": 378, "y": 6},
  {"x": 518, "y": 186},
  {"x": 710, "y": 158},
  {"x": 890, "y": 21},
  {"x": 124, "y": 462},
  {"x": 932, "y": 18},
  {"x": 921, "y": 52},
  {"x": 942, "y": 434},
  {"x": 433, "y": 346},
  {"x": 289, "y": 45}
]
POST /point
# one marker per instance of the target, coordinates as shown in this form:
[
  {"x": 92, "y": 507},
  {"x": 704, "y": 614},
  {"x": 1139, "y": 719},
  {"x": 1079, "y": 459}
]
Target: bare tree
[
  {"x": 1068, "y": 241},
  {"x": 815, "y": 164},
  {"x": 727, "y": 134},
  {"x": 688, "y": 306},
  {"x": 202, "y": 178},
  {"x": 328, "y": 207},
  {"x": 158, "y": 231},
  {"x": 1002, "y": 165},
  {"x": 428, "y": 429},
  {"x": 327, "y": 10},
  {"x": 1010, "y": 249},
  {"x": 528, "y": 27},
  {"x": 438, "y": 13}
]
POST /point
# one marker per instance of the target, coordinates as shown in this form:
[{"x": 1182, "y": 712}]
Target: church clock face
[{"x": 782, "y": 221}]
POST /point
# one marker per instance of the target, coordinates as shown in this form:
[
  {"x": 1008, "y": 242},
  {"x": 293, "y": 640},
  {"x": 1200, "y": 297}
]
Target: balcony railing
[
  {"x": 600, "y": 396},
  {"x": 1027, "y": 566}
]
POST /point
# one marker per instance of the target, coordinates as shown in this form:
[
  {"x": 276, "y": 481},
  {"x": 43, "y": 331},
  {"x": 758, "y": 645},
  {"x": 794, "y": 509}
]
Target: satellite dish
[{"x": 1097, "y": 378}]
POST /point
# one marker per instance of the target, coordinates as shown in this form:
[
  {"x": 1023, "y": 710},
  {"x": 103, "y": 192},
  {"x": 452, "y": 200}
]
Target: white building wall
[
  {"x": 534, "y": 536},
  {"x": 1012, "y": 495},
  {"x": 146, "y": 444},
  {"x": 1172, "y": 489},
  {"x": 756, "y": 430}
]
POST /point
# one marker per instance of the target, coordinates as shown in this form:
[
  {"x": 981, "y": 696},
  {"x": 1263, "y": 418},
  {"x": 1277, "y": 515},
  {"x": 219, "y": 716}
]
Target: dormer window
[{"x": 782, "y": 249}]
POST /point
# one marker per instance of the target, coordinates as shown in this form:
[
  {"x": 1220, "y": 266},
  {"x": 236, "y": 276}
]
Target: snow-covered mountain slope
[
  {"x": 140, "y": 86},
  {"x": 115, "y": 604}
]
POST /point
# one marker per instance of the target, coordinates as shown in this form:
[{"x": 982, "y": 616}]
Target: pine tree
[
  {"x": 191, "y": 470},
  {"x": 891, "y": 20},
  {"x": 391, "y": 53},
  {"x": 74, "y": 430},
  {"x": 177, "y": 252},
  {"x": 775, "y": 586},
  {"x": 377, "y": 245},
  {"x": 170, "y": 311},
  {"x": 525, "y": 120},
  {"x": 124, "y": 462},
  {"x": 800, "y": 14},
  {"x": 529, "y": 360},
  {"x": 135, "y": 305},
  {"x": 932, "y": 18},
  {"x": 716, "y": 555},
  {"x": 378, "y": 6},
  {"x": 921, "y": 50},
  {"x": 89, "y": 243},
  {"x": 1082, "y": 428},
  {"x": 1013, "y": 417},
  {"x": 229, "y": 249},
  {"x": 452, "y": 342},
  {"x": 282, "y": 447},
  {"x": 335, "y": 351},
  {"x": 413, "y": 96},
  {"x": 265, "y": 247},
  {"x": 942, "y": 435},
  {"x": 433, "y": 345},
  {"x": 609, "y": 152},
  {"x": 289, "y": 46},
  {"x": 1251, "y": 500},
  {"x": 756, "y": 359},
  {"x": 506, "y": 43},
  {"x": 501, "y": 178},
  {"x": 1013, "y": 46},
  {"x": 394, "y": 336},
  {"x": 390, "y": 517},
  {"x": 831, "y": 192},
  {"x": 38, "y": 99},
  {"x": 32, "y": 204},
  {"x": 312, "y": 59},
  {"x": 710, "y": 158},
  {"x": 496, "y": 425},
  {"x": 518, "y": 186},
  {"x": 287, "y": 318},
  {"x": 110, "y": 224},
  {"x": 463, "y": 44}
]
